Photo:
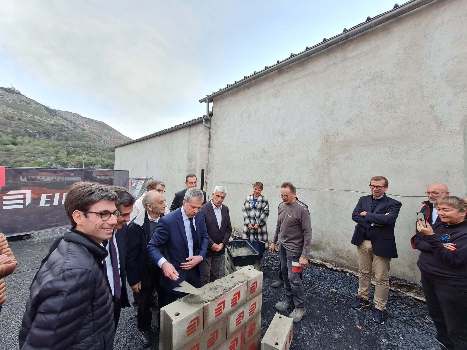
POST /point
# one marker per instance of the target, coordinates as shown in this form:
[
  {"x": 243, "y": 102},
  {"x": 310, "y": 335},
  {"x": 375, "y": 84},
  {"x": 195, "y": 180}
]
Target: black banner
[{"x": 32, "y": 198}]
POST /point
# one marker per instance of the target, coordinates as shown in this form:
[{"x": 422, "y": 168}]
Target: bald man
[
  {"x": 143, "y": 277},
  {"x": 434, "y": 192}
]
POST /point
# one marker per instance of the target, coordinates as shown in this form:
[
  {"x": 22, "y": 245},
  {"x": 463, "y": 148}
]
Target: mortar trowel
[{"x": 185, "y": 287}]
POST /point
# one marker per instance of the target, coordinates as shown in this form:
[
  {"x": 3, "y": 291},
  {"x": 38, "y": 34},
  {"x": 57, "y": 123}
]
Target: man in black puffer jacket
[{"x": 70, "y": 304}]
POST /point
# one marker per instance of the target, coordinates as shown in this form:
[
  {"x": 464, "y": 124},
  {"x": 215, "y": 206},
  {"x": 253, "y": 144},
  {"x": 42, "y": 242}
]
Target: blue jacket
[
  {"x": 169, "y": 241},
  {"x": 377, "y": 225}
]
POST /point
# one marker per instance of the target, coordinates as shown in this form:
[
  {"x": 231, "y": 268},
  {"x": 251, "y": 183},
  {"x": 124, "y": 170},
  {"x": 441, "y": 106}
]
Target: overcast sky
[{"x": 142, "y": 66}]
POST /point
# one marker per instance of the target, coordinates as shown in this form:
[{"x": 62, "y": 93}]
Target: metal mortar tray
[{"x": 242, "y": 252}]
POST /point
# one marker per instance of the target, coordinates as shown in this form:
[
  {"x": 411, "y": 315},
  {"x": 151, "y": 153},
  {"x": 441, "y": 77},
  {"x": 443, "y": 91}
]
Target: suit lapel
[
  {"x": 213, "y": 215},
  {"x": 224, "y": 219}
]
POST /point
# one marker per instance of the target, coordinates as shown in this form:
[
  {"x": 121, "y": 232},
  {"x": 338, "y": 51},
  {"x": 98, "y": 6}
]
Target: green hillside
[{"x": 34, "y": 135}]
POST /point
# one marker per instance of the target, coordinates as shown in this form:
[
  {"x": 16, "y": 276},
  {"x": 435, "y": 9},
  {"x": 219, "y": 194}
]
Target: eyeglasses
[
  {"x": 376, "y": 186},
  {"x": 105, "y": 214}
]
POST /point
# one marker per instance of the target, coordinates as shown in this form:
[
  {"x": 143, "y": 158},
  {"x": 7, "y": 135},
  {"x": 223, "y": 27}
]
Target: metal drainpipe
[{"x": 206, "y": 118}]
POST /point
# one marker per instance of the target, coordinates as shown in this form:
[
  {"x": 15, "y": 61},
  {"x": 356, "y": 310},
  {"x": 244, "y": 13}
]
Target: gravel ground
[{"x": 330, "y": 322}]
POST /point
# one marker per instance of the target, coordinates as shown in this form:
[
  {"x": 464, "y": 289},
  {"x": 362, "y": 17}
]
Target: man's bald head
[
  {"x": 154, "y": 203},
  {"x": 436, "y": 191}
]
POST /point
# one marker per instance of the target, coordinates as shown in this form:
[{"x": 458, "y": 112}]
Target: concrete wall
[
  {"x": 392, "y": 102},
  {"x": 168, "y": 157}
]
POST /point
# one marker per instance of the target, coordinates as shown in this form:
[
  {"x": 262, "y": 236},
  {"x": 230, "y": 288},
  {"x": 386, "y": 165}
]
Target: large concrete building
[
  {"x": 386, "y": 97},
  {"x": 167, "y": 155}
]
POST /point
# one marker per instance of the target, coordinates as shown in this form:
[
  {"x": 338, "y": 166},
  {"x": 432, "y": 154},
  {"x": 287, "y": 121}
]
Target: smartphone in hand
[{"x": 421, "y": 216}]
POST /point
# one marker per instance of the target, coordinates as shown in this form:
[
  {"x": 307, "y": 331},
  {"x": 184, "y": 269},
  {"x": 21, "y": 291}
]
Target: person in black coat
[
  {"x": 443, "y": 266},
  {"x": 219, "y": 231},
  {"x": 143, "y": 277},
  {"x": 376, "y": 217},
  {"x": 116, "y": 264},
  {"x": 70, "y": 304},
  {"x": 191, "y": 181}
]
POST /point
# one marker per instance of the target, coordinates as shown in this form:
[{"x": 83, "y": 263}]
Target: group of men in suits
[{"x": 162, "y": 249}]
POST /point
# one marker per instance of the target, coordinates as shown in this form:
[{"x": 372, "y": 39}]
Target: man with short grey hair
[
  {"x": 179, "y": 245},
  {"x": 219, "y": 230}
]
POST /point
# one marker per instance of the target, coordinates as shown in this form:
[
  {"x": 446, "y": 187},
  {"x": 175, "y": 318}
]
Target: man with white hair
[{"x": 219, "y": 230}]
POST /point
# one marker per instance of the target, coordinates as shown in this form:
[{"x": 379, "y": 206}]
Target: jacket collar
[{"x": 78, "y": 237}]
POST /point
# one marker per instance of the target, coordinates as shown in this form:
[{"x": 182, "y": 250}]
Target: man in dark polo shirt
[{"x": 293, "y": 233}]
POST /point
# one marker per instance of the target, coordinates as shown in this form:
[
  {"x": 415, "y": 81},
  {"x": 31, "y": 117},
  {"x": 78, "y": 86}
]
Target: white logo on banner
[{"x": 17, "y": 199}]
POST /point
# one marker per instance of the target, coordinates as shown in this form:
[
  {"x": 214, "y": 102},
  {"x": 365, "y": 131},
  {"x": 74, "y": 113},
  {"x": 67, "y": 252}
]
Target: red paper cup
[{"x": 296, "y": 267}]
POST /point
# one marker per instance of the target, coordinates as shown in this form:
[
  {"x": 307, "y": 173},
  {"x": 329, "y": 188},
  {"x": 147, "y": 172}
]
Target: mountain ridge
[{"x": 36, "y": 135}]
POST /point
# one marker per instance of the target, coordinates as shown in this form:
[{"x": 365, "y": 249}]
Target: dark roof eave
[
  {"x": 355, "y": 31},
  {"x": 164, "y": 131}
]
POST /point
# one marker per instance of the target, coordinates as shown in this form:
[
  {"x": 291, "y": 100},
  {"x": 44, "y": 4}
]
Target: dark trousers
[
  {"x": 293, "y": 280},
  {"x": 117, "y": 310},
  {"x": 447, "y": 306},
  {"x": 147, "y": 299},
  {"x": 212, "y": 268}
]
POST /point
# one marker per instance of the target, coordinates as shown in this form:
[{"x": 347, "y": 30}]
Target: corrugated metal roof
[
  {"x": 164, "y": 131},
  {"x": 347, "y": 34}
]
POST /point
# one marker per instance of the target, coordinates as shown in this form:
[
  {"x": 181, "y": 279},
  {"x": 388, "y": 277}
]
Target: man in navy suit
[
  {"x": 375, "y": 216},
  {"x": 115, "y": 261},
  {"x": 179, "y": 245}
]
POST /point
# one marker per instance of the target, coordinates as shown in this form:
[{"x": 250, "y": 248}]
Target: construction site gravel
[{"x": 330, "y": 322}]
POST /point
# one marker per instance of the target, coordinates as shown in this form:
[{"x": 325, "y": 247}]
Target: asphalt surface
[{"x": 330, "y": 322}]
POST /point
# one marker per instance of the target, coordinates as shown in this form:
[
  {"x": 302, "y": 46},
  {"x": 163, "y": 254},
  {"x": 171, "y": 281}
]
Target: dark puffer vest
[{"x": 70, "y": 305}]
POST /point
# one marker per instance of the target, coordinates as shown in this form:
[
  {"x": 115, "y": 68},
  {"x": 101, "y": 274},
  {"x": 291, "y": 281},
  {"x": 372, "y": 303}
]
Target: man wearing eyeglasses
[
  {"x": 376, "y": 216},
  {"x": 70, "y": 303},
  {"x": 428, "y": 209}
]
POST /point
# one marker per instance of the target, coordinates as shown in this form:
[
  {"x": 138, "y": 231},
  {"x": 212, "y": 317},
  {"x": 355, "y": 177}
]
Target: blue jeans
[{"x": 293, "y": 281}]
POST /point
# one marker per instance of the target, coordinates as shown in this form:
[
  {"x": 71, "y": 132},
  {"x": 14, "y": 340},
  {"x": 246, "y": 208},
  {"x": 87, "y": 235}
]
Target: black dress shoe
[
  {"x": 379, "y": 316},
  {"x": 360, "y": 303},
  {"x": 146, "y": 337}
]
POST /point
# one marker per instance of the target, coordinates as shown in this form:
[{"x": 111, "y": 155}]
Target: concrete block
[
  {"x": 210, "y": 338},
  {"x": 195, "y": 345},
  {"x": 279, "y": 334},
  {"x": 240, "y": 316},
  {"x": 215, "y": 335},
  {"x": 252, "y": 329},
  {"x": 233, "y": 292},
  {"x": 254, "y": 280},
  {"x": 253, "y": 344},
  {"x": 236, "y": 319},
  {"x": 234, "y": 342},
  {"x": 253, "y": 306},
  {"x": 180, "y": 324}
]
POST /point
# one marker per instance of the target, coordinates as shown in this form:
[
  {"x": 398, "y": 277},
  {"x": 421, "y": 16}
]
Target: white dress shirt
[
  {"x": 108, "y": 264},
  {"x": 189, "y": 236},
  {"x": 218, "y": 214}
]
